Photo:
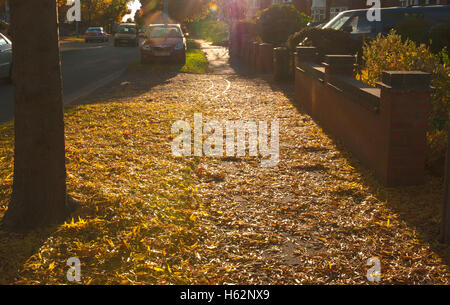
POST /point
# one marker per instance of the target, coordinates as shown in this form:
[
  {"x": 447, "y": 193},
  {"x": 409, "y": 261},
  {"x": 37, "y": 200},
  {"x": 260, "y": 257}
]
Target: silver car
[
  {"x": 5, "y": 57},
  {"x": 96, "y": 34}
]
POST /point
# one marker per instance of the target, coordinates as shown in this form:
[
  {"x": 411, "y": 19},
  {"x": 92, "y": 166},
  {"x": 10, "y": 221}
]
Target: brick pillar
[
  {"x": 280, "y": 63},
  {"x": 305, "y": 54},
  {"x": 339, "y": 65},
  {"x": 265, "y": 59},
  {"x": 404, "y": 105}
]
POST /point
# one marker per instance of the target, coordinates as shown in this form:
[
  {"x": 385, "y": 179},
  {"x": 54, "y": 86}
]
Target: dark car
[
  {"x": 95, "y": 34},
  {"x": 5, "y": 57},
  {"x": 357, "y": 24},
  {"x": 164, "y": 41},
  {"x": 126, "y": 34}
]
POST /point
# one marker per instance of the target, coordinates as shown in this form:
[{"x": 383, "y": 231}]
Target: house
[
  {"x": 322, "y": 10},
  {"x": 4, "y": 10},
  {"x": 253, "y": 6},
  {"x": 424, "y": 2}
]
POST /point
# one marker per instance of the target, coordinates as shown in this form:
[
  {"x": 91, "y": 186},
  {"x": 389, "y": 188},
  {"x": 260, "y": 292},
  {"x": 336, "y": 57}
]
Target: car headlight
[
  {"x": 146, "y": 47},
  {"x": 179, "y": 46}
]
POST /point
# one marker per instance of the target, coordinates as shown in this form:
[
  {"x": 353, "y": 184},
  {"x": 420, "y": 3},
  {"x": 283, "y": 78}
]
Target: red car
[{"x": 164, "y": 41}]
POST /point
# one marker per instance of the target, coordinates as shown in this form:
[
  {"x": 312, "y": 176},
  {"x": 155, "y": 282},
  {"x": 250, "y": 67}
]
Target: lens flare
[{"x": 213, "y": 7}]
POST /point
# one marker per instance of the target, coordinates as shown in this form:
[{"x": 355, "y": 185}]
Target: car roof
[
  {"x": 162, "y": 24},
  {"x": 403, "y": 9},
  {"x": 127, "y": 24}
]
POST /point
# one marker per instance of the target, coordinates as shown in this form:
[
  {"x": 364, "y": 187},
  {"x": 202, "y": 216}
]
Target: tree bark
[{"x": 39, "y": 188}]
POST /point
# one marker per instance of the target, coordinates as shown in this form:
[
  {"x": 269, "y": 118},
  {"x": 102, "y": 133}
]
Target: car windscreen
[
  {"x": 94, "y": 30},
  {"x": 161, "y": 31},
  {"x": 338, "y": 22},
  {"x": 127, "y": 30}
]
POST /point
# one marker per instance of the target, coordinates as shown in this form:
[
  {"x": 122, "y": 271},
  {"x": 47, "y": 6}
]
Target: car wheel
[{"x": 182, "y": 59}]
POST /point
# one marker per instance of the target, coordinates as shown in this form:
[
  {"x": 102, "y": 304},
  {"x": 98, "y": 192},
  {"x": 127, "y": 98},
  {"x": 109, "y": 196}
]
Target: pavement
[
  {"x": 85, "y": 68},
  {"x": 218, "y": 58}
]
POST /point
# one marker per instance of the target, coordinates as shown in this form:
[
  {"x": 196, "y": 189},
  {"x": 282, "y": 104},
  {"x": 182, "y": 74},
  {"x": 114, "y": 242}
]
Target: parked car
[
  {"x": 357, "y": 24},
  {"x": 163, "y": 41},
  {"x": 126, "y": 34},
  {"x": 96, "y": 34},
  {"x": 5, "y": 57}
]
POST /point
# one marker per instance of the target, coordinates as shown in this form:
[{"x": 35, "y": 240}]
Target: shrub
[
  {"x": 414, "y": 28},
  {"x": 211, "y": 30},
  {"x": 439, "y": 35},
  {"x": 391, "y": 53},
  {"x": 327, "y": 41},
  {"x": 420, "y": 30},
  {"x": 276, "y": 23}
]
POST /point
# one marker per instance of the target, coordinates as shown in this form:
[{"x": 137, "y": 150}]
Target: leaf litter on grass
[{"x": 150, "y": 218}]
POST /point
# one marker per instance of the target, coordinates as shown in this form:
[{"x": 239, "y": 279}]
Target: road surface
[{"x": 85, "y": 67}]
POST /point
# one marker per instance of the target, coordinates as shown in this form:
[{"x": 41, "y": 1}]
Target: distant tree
[
  {"x": 39, "y": 189},
  {"x": 180, "y": 10}
]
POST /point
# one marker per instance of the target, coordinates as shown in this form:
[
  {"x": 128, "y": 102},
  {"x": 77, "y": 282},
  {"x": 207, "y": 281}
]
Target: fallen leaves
[{"x": 150, "y": 218}]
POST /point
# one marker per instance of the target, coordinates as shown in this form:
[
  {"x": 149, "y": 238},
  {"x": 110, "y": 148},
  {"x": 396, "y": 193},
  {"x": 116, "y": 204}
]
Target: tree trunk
[{"x": 39, "y": 187}]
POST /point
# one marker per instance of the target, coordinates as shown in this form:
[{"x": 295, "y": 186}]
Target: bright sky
[{"x": 133, "y": 5}]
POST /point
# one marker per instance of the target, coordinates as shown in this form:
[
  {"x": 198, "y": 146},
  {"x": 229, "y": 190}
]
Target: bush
[
  {"x": 327, "y": 41},
  {"x": 393, "y": 53},
  {"x": 420, "y": 30},
  {"x": 276, "y": 23},
  {"x": 414, "y": 28},
  {"x": 214, "y": 31},
  {"x": 439, "y": 35}
]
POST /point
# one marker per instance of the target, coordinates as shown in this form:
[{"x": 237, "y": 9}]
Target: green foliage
[
  {"x": 439, "y": 35},
  {"x": 327, "y": 41},
  {"x": 211, "y": 30},
  {"x": 195, "y": 62},
  {"x": 393, "y": 53},
  {"x": 421, "y": 30},
  {"x": 180, "y": 10},
  {"x": 276, "y": 23}
]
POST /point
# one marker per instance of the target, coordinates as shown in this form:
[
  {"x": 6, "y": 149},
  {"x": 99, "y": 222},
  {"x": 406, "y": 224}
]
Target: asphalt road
[{"x": 85, "y": 68}]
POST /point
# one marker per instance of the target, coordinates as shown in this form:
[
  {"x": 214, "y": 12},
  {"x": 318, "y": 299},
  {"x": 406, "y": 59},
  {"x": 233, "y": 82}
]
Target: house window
[
  {"x": 334, "y": 11},
  {"x": 318, "y": 14},
  {"x": 281, "y": 1}
]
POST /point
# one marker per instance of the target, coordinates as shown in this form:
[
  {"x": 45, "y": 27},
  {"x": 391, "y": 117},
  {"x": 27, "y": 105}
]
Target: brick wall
[{"x": 383, "y": 127}]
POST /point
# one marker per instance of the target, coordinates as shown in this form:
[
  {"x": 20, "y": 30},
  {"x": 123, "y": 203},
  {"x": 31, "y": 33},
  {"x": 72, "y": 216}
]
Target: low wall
[{"x": 384, "y": 127}]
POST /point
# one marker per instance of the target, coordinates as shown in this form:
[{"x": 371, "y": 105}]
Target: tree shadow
[
  {"x": 135, "y": 81},
  {"x": 17, "y": 248}
]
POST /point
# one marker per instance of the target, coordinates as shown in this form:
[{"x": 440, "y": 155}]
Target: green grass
[{"x": 195, "y": 62}]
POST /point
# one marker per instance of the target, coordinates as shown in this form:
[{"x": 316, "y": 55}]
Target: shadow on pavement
[{"x": 135, "y": 81}]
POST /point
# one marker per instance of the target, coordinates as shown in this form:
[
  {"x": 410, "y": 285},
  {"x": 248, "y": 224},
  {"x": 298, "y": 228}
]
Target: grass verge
[{"x": 139, "y": 205}]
